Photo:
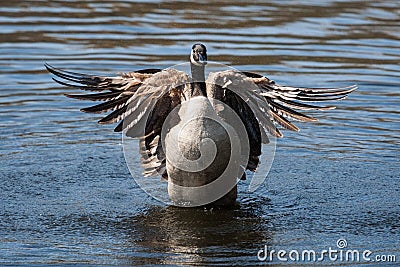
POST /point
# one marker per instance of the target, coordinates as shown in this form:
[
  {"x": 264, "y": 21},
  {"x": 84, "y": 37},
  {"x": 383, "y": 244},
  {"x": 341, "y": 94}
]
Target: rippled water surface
[{"x": 68, "y": 197}]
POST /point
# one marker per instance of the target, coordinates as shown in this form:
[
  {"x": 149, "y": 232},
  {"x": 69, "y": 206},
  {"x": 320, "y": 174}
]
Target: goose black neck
[{"x": 198, "y": 76}]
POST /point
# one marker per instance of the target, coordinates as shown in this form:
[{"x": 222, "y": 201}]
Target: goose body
[
  {"x": 186, "y": 123},
  {"x": 193, "y": 164}
]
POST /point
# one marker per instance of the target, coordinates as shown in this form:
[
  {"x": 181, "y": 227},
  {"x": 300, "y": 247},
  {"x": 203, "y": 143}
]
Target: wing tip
[
  {"x": 70, "y": 96},
  {"x": 90, "y": 110},
  {"x": 47, "y": 66}
]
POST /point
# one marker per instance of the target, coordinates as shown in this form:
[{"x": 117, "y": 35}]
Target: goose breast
[{"x": 198, "y": 151}]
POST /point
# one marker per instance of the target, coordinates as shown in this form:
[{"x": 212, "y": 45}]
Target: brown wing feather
[
  {"x": 122, "y": 82},
  {"x": 260, "y": 101},
  {"x": 140, "y": 101},
  {"x": 248, "y": 91},
  {"x": 283, "y": 101}
]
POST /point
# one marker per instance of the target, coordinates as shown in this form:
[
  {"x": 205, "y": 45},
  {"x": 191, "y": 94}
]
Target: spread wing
[
  {"x": 262, "y": 105},
  {"x": 286, "y": 102},
  {"x": 140, "y": 101}
]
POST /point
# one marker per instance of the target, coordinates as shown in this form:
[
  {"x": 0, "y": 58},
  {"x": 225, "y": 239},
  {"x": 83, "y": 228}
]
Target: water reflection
[
  {"x": 198, "y": 236},
  {"x": 159, "y": 235}
]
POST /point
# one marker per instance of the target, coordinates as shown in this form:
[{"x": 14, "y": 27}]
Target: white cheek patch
[{"x": 194, "y": 61}]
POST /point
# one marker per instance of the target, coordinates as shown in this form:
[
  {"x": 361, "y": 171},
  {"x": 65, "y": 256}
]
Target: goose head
[{"x": 198, "y": 55}]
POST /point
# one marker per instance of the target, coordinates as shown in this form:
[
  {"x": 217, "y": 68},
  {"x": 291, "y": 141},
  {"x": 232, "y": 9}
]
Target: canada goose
[{"x": 143, "y": 101}]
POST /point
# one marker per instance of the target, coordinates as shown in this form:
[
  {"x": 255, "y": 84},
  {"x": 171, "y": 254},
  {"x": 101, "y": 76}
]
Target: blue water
[{"x": 67, "y": 195}]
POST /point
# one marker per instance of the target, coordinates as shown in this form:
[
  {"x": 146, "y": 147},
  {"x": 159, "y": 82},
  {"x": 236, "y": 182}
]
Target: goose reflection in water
[
  {"x": 143, "y": 101},
  {"x": 190, "y": 236}
]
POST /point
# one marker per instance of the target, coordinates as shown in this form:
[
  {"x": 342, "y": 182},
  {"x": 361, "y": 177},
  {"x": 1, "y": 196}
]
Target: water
[{"x": 68, "y": 197}]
